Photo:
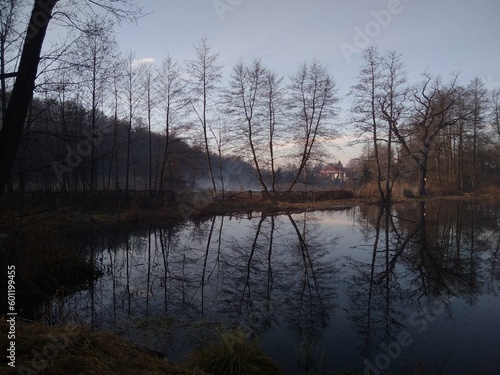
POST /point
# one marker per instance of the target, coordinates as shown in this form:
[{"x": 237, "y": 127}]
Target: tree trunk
[
  {"x": 377, "y": 159},
  {"x": 422, "y": 183},
  {"x": 254, "y": 156},
  {"x": 150, "y": 144},
  {"x": 273, "y": 171},
  {"x": 93, "y": 164},
  {"x": 166, "y": 155},
  {"x": 127, "y": 171},
  {"x": 205, "y": 136},
  {"x": 15, "y": 114}
]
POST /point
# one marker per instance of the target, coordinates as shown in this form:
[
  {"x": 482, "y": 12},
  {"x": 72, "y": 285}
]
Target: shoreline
[{"x": 141, "y": 212}]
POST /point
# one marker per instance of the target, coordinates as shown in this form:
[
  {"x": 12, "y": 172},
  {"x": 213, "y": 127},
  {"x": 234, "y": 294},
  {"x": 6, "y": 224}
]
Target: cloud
[{"x": 143, "y": 61}]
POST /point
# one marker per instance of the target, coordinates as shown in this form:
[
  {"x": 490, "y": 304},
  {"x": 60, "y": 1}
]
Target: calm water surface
[{"x": 322, "y": 291}]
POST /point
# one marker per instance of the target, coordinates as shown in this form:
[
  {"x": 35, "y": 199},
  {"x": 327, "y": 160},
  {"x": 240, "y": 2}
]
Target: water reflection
[
  {"x": 324, "y": 290},
  {"x": 424, "y": 256}
]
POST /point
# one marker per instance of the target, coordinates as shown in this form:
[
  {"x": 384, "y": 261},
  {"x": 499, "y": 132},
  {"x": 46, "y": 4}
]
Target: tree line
[
  {"x": 436, "y": 130},
  {"x": 84, "y": 116}
]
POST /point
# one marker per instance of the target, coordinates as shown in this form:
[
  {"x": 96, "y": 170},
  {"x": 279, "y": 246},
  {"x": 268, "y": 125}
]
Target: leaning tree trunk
[{"x": 22, "y": 92}]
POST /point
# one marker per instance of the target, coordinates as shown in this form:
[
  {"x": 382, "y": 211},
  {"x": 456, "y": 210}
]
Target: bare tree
[
  {"x": 313, "y": 98},
  {"x": 204, "y": 75},
  {"x": 220, "y": 139},
  {"x": 150, "y": 102},
  {"x": 132, "y": 98},
  {"x": 22, "y": 90},
  {"x": 244, "y": 99},
  {"x": 274, "y": 102},
  {"x": 17, "y": 107},
  {"x": 116, "y": 76},
  {"x": 365, "y": 105},
  {"x": 495, "y": 125},
  {"x": 432, "y": 103},
  {"x": 379, "y": 104},
  {"x": 95, "y": 56},
  {"x": 495, "y": 110},
  {"x": 479, "y": 104},
  {"x": 171, "y": 90},
  {"x": 392, "y": 103}
]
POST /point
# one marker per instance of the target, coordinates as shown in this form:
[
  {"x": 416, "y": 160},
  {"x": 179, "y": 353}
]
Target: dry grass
[
  {"x": 368, "y": 191},
  {"x": 491, "y": 190},
  {"x": 64, "y": 350},
  {"x": 233, "y": 354}
]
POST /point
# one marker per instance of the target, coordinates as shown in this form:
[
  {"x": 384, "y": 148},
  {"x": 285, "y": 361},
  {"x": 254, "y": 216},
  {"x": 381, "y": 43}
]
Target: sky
[
  {"x": 441, "y": 36},
  {"x": 438, "y": 36}
]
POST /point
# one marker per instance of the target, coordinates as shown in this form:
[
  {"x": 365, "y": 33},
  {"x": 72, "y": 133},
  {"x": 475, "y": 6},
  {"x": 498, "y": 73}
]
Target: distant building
[{"x": 335, "y": 172}]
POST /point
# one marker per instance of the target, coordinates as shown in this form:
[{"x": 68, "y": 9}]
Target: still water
[{"x": 322, "y": 291}]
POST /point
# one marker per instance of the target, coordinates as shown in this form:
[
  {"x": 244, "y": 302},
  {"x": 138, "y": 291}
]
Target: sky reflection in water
[{"x": 322, "y": 290}]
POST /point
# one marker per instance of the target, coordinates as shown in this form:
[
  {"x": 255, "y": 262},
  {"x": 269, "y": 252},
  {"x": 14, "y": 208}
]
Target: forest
[{"x": 100, "y": 119}]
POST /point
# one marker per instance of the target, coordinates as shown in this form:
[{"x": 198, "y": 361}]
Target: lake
[{"x": 322, "y": 291}]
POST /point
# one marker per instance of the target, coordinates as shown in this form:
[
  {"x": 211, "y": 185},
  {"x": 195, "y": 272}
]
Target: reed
[{"x": 232, "y": 354}]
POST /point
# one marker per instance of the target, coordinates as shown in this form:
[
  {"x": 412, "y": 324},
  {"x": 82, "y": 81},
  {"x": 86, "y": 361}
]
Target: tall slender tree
[
  {"x": 116, "y": 77},
  {"x": 132, "y": 98},
  {"x": 365, "y": 106},
  {"x": 495, "y": 110},
  {"x": 150, "y": 102},
  {"x": 274, "y": 100},
  {"x": 313, "y": 98},
  {"x": 95, "y": 57},
  {"x": 171, "y": 90},
  {"x": 379, "y": 102},
  {"x": 479, "y": 105},
  {"x": 392, "y": 104},
  {"x": 204, "y": 74},
  {"x": 244, "y": 98}
]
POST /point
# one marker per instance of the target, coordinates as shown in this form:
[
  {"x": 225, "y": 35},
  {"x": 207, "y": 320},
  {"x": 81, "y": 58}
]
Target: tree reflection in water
[
  {"x": 424, "y": 255},
  {"x": 300, "y": 277}
]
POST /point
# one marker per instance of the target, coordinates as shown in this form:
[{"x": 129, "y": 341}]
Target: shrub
[{"x": 233, "y": 354}]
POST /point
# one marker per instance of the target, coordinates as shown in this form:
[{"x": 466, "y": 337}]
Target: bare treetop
[{"x": 76, "y": 12}]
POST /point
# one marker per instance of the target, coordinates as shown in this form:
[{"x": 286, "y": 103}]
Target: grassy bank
[
  {"x": 61, "y": 350},
  {"x": 121, "y": 210}
]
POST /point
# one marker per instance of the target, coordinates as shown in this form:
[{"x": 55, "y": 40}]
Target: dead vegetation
[{"x": 61, "y": 350}]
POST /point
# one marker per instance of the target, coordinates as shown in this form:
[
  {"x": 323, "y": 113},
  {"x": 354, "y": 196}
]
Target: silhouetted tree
[
  {"x": 22, "y": 90},
  {"x": 432, "y": 101},
  {"x": 313, "y": 99},
  {"x": 204, "y": 74}
]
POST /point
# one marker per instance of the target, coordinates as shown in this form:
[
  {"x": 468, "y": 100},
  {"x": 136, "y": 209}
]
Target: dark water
[{"x": 322, "y": 291}]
